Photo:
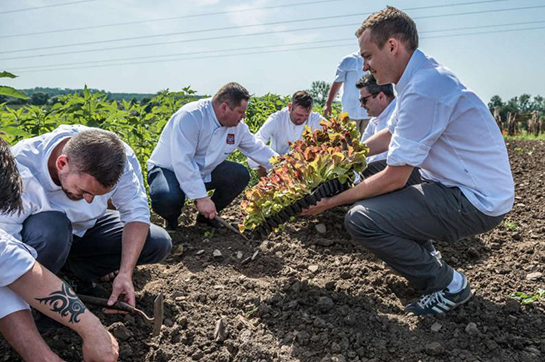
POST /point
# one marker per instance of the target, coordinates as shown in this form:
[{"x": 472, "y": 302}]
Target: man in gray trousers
[{"x": 465, "y": 186}]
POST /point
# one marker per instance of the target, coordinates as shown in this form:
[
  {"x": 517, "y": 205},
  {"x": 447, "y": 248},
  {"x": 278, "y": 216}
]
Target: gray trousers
[
  {"x": 95, "y": 254},
  {"x": 397, "y": 227}
]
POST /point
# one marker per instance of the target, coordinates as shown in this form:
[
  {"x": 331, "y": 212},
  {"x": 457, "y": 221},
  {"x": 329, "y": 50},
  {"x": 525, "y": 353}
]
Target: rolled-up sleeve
[
  {"x": 130, "y": 196},
  {"x": 183, "y": 143},
  {"x": 420, "y": 121},
  {"x": 255, "y": 149},
  {"x": 16, "y": 259},
  {"x": 340, "y": 74}
]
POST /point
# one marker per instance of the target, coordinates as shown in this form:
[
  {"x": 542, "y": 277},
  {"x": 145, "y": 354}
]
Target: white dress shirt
[
  {"x": 42, "y": 194},
  {"x": 445, "y": 129},
  {"x": 16, "y": 259},
  {"x": 193, "y": 143},
  {"x": 349, "y": 72},
  {"x": 377, "y": 124},
  {"x": 279, "y": 130}
]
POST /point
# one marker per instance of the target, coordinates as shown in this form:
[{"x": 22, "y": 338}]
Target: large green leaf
[
  {"x": 12, "y": 92},
  {"x": 5, "y": 74}
]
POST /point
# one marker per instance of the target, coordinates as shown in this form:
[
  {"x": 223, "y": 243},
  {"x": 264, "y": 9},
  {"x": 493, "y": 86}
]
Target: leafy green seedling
[
  {"x": 527, "y": 299},
  {"x": 209, "y": 234},
  {"x": 510, "y": 225}
]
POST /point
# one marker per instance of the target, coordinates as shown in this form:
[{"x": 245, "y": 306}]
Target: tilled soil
[{"x": 309, "y": 294}]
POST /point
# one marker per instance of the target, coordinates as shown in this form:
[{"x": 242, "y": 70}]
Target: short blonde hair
[{"x": 390, "y": 23}]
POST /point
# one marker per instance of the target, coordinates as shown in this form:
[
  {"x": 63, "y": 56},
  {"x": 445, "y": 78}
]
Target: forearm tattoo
[{"x": 65, "y": 302}]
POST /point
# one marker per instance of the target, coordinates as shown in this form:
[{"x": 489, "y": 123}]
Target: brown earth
[{"x": 303, "y": 295}]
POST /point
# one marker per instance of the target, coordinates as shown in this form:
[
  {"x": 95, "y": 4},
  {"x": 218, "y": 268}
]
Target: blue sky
[{"x": 502, "y": 59}]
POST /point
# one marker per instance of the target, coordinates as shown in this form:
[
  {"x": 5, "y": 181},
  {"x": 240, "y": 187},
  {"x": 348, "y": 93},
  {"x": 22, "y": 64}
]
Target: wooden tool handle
[{"x": 103, "y": 302}]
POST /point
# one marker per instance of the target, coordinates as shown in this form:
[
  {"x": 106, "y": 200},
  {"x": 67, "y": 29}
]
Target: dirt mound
[{"x": 310, "y": 294}]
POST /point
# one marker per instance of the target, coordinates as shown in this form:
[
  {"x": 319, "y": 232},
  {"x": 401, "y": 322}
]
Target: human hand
[
  {"x": 122, "y": 290},
  {"x": 99, "y": 345},
  {"x": 320, "y": 207},
  {"x": 327, "y": 110},
  {"x": 206, "y": 207}
]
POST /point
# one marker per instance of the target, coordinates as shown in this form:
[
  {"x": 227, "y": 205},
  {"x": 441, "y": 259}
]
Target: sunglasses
[{"x": 363, "y": 100}]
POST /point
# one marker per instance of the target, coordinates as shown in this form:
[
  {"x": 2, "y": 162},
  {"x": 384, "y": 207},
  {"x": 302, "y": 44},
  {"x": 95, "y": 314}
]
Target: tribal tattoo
[{"x": 65, "y": 302}]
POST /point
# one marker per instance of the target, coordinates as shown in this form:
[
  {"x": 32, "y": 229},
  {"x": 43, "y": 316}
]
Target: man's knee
[
  {"x": 50, "y": 233},
  {"x": 241, "y": 174},
  {"x": 359, "y": 225},
  {"x": 158, "y": 246}
]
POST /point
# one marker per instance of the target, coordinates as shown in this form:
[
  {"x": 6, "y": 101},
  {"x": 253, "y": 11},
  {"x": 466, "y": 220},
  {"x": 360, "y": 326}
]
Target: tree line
[{"x": 518, "y": 114}]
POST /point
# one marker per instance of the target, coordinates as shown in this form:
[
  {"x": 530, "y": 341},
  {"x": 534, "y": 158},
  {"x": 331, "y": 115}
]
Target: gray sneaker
[{"x": 440, "y": 302}]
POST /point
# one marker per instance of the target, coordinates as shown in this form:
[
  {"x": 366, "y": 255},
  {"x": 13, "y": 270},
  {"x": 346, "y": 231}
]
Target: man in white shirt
[
  {"x": 287, "y": 125},
  {"x": 379, "y": 102},
  {"x": 68, "y": 176},
  {"x": 190, "y": 157},
  {"x": 444, "y": 129},
  {"x": 349, "y": 72},
  {"x": 23, "y": 280}
]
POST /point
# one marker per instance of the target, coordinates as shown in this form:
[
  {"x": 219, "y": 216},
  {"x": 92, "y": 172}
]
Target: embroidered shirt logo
[{"x": 230, "y": 139}]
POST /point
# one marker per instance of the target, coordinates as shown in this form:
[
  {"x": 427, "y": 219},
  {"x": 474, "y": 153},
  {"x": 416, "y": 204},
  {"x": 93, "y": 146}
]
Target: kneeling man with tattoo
[{"x": 23, "y": 280}]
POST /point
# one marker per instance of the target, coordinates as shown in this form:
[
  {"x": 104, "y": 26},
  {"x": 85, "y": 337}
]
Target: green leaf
[
  {"x": 12, "y": 92},
  {"x": 5, "y": 74}
]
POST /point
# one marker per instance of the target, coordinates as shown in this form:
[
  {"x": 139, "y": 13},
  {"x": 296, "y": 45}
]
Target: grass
[{"x": 524, "y": 136}]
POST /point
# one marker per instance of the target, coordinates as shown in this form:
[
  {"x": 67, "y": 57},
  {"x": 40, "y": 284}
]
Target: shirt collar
[
  {"x": 415, "y": 63},
  {"x": 213, "y": 114},
  {"x": 387, "y": 111},
  {"x": 46, "y": 179}
]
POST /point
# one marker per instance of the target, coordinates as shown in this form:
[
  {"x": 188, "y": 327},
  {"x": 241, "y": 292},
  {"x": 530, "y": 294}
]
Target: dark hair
[
  {"x": 98, "y": 153},
  {"x": 301, "y": 99},
  {"x": 11, "y": 186},
  {"x": 369, "y": 82},
  {"x": 231, "y": 93},
  {"x": 390, "y": 23}
]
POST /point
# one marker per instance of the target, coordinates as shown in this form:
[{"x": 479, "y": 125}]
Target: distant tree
[
  {"x": 319, "y": 90},
  {"x": 495, "y": 102},
  {"x": 524, "y": 102},
  {"x": 538, "y": 104},
  {"x": 39, "y": 99}
]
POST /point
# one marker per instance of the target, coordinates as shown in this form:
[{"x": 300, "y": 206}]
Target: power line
[
  {"x": 251, "y": 34},
  {"x": 46, "y": 6},
  {"x": 220, "y": 55},
  {"x": 185, "y": 41},
  {"x": 265, "y": 46},
  {"x": 171, "y": 18},
  {"x": 235, "y": 27}
]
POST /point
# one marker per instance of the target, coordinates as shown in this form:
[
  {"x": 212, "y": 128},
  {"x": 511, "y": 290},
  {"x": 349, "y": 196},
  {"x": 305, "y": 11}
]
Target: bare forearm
[
  {"x": 333, "y": 91},
  {"x": 32, "y": 347},
  {"x": 390, "y": 179},
  {"x": 375, "y": 185},
  {"x": 379, "y": 142},
  {"x": 134, "y": 237},
  {"x": 51, "y": 296}
]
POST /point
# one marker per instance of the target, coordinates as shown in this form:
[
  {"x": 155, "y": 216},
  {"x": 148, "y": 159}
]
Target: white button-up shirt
[
  {"x": 349, "y": 72},
  {"x": 279, "y": 130},
  {"x": 445, "y": 129},
  {"x": 42, "y": 194},
  {"x": 16, "y": 259},
  {"x": 377, "y": 124},
  {"x": 193, "y": 143}
]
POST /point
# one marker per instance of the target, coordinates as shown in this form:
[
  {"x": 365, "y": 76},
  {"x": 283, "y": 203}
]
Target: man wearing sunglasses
[{"x": 379, "y": 102}]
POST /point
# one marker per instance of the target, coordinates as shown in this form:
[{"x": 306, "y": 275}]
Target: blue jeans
[
  {"x": 95, "y": 254},
  {"x": 167, "y": 198}
]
